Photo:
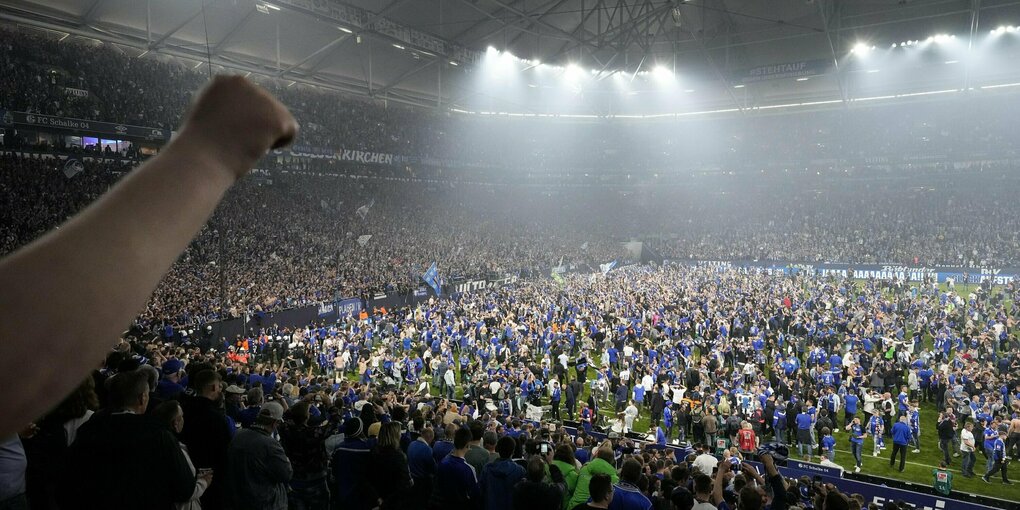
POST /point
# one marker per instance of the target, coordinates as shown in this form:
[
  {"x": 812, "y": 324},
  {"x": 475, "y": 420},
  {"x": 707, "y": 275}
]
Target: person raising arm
[{"x": 78, "y": 287}]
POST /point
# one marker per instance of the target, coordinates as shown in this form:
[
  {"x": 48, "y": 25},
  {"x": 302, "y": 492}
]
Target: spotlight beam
[
  {"x": 975, "y": 14},
  {"x": 832, "y": 46}
]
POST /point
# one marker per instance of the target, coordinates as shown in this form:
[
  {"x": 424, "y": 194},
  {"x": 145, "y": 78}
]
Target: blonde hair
[{"x": 389, "y": 435}]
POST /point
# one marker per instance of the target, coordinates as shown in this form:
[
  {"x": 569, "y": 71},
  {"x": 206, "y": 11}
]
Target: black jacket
[{"x": 125, "y": 461}]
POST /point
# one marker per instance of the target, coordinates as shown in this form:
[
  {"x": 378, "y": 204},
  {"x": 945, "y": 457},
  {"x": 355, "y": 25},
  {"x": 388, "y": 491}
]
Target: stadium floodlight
[
  {"x": 491, "y": 51},
  {"x": 739, "y": 86},
  {"x": 397, "y": 46},
  {"x": 453, "y": 63},
  {"x": 663, "y": 73},
  {"x": 805, "y": 78},
  {"x": 345, "y": 30},
  {"x": 573, "y": 72},
  {"x": 1011, "y": 29},
  {"x": 861, "y": 49}
]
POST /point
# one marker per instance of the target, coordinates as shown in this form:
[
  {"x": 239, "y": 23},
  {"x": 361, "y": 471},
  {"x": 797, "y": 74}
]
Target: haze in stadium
[{"x": 509, "y": 254}]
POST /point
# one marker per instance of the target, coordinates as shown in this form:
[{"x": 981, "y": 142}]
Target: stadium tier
[{"x": 685, "y": 255}]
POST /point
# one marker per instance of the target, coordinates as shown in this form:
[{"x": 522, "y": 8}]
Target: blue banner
[
  {"x": 873, "y": 493},
  {"x": 342, "y": 309},
  {"x": 431, "y": 277}
]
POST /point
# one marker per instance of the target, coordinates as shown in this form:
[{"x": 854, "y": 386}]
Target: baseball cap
[
  {"x": 172, "y": 366},
  {"x": 271, "y": 410},
  {"x": 233, "y": 388}
]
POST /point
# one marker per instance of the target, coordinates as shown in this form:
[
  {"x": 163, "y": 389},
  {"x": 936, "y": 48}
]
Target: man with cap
[
  {"x": 233, "y": 403},
  {"x": 257, "y": 466},
  {"x": 254, "y": 400},
  {"x": 169, "y": 385},
  {"x": 350, "y": 478}
]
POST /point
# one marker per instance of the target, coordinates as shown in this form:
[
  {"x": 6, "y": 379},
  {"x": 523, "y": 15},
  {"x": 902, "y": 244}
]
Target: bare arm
[{"x": 72, "y": 292}]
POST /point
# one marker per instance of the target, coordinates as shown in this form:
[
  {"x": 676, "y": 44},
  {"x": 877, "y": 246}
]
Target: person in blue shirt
[
  {"x": 626, "y": 494},
  {"x": 456, "y": 481},
  {"x": 857, "y": 435},
  {"x": 914, "y": 419},
  {"x": 901, "y": 402},
  {"x": 876, "y": 427},
  {"x": 420, "y": 462},
  {"x": 998, "y": 459},
  {"x": 850, "y": 402},
  {"x": 990, "y": 435},
  {"x": 828, "y": 445},
  {"x": 804, "y": 441},
  {"x": 901, "y": 438},
  {"x": 779, "y": 422}
]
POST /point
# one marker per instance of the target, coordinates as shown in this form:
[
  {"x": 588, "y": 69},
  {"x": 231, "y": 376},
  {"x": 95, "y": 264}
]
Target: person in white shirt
[
  {"x": 629, "y": 415},
  {"x": 967, "y": 449},
  {"x": 647, "y": 382},
  {"x": 706, "y": 462}
]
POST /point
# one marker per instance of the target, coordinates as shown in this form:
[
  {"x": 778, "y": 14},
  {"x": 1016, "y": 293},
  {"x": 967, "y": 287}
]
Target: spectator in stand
[
  {"x": 170, "y": 415},
  {"x": 626, "y": 494},
  {"x": 533, "y": 492},
  {"x": 257, "y": 466},
  {"x": 604, "y": 463},
  {"x": 388, "y": 471},
  {"x": 350, "y": 477},
  {"x": 500, "y": 476},
  {"x": 422, "y": 467},
  {"x": 121, "y": 457},
  {"x": 456, "y": 481},
  {"x": 206, "y": 431},
  {"x": 305, "y": 447},
  {"x": 601, "y": 488}
]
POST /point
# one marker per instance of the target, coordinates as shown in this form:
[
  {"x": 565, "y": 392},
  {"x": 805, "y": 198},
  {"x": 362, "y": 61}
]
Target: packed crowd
[
  {"x": 90, "y": 80},
  {"x": 731, "y": 365},
  {"x": 296, "y": 236}
]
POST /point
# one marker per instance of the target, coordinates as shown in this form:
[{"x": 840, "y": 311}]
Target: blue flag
[{"x": 431, "y": 277}]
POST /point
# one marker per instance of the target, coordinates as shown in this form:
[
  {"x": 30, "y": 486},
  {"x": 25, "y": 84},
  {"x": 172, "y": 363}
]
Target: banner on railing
[
  {"x": 82, "y": 126},
  {"x": 351, "y": 155},
  {"x": 341, "y": 309}
]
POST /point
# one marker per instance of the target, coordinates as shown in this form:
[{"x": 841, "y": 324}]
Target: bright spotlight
[
  {"x": 573, "y": 72},
  {"x": 491, "y": 51},
  {"x": 663, "y": 73},
  {"x": 1011, "y": 29},
  {"x": 861, "y": 49}
]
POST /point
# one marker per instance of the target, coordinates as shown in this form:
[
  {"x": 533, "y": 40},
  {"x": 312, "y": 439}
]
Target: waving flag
[
  {"x": 363, "y": 210},
  {"x": 431, "y": 277},
  {"x": 607, "y": 267},
  {"x": 73, "y": 167}
]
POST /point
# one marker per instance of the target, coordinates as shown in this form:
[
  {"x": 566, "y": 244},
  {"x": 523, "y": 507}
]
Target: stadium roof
[{"x": 428, "y": 52}]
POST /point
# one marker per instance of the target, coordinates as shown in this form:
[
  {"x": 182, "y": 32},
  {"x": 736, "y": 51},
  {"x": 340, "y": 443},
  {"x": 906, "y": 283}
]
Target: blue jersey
[
  {"x": 851, "y": 403},
  {"x": 856, "y": 434}
]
